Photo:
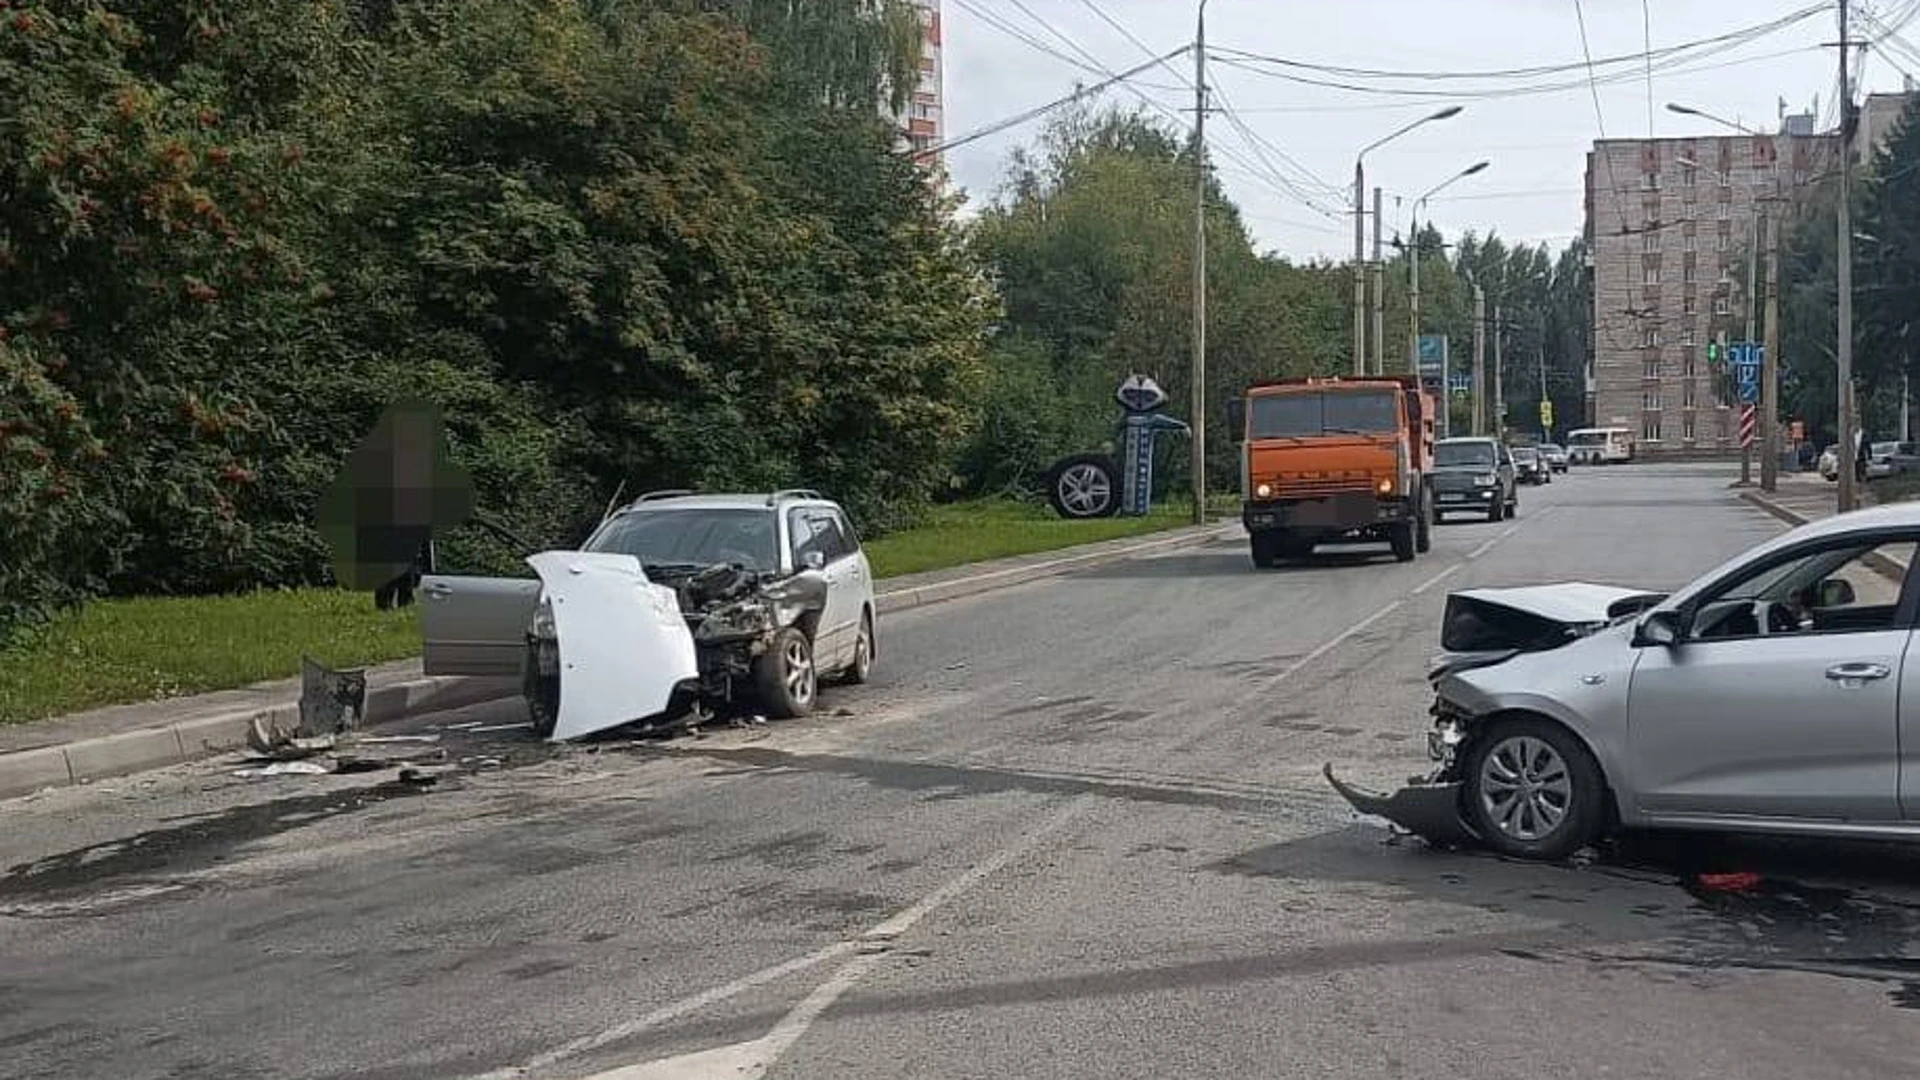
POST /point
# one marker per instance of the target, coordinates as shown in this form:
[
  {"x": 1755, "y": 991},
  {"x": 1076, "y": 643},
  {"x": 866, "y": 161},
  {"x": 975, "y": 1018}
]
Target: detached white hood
[
  {"x": 1533, "y": 617},
  {"x": 624, "y": 645}
]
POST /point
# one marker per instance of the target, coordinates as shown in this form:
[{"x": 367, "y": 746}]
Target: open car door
[
  {"x": 624, "y": 646},
  {"x": 475, "y": 625}
]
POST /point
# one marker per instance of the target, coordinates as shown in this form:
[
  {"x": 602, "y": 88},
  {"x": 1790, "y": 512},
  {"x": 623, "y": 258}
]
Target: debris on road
[
  {"x": 1425, "y": 807},
  {"x": 270, "y": 741},
  {"x": 286, "y": 768},
  {"x": 1737, "y": 881},
  {"x": 369, "y": 740}
]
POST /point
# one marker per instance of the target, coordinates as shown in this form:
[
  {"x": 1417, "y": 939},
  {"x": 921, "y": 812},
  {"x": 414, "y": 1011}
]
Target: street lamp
[
  {"x": 1413, "y": 277},
  {"x": 1770, "y": 367},
  {"x": 1360, "y": 231},
  {"x": 1197, "y": 381}
]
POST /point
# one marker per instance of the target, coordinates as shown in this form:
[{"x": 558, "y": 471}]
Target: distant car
[
  {"x": 1830, "y": 463},
  {"x": 1888, "y": 458},
  {"x": 1556, "y": 456},
  {"x": 1529, "y": 467},
  {"x": 1474, "y": 474}
]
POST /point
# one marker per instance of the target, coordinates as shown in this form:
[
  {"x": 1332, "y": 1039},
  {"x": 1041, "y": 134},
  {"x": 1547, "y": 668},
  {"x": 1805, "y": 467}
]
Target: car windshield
[
  {"x": 693, "y": 537},
  {"x": 1297, "y": 414},
  {"x": 1525, "y": 453},
  {"x": 1589, "y": 438},
  {"x": 1885, "y": 449},
  {"x": 1463, "y": 454}
]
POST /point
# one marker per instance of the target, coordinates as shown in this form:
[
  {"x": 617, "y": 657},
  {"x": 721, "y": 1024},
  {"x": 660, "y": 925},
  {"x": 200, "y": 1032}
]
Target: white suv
[{"x": 677, "y": 602}]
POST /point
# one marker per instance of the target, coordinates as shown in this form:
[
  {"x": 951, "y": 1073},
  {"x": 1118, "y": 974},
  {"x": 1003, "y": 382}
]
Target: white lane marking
[
  {"x": 1330, "y": 645},
  {"x": 1437, "y": 578},
  {"x": 749, "y": 1060}
]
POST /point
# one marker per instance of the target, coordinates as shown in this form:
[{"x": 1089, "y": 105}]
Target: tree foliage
[{"x": 651, "y": 242}]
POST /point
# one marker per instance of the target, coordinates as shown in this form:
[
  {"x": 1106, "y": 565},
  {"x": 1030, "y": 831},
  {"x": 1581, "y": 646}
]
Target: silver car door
[
  {"x": 1789, "y": 723},
  {"x": 846, "y": 578},
  {"x": 475, "y": 625},
  {"x": 624, "y": 646}
]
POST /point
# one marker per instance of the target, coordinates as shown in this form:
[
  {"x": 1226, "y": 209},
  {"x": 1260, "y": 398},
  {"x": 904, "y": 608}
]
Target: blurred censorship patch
[{"x": 399, "y": 486}]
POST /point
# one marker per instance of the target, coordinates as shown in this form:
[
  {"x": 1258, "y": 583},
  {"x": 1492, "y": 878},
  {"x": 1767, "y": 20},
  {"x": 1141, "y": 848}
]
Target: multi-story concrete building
[
  {"x": 1671, "y": 235},
  {"x": 922, "y": 125},
  {"x": 1670, "y": 231}
]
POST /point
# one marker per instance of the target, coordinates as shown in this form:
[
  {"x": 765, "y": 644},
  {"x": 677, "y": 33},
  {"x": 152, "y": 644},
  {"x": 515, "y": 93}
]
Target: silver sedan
[{"x": 1770, "y": 695}]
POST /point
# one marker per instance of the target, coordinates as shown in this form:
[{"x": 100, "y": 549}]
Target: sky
[{"x": 1534, "y": 144}]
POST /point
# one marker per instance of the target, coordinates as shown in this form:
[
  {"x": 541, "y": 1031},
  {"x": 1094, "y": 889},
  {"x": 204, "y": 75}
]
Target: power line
[
  {"x": 1057, "y": 33},
  {"x": 1041, "y": 110},
  {"x": 1742, "y": 35},
  {"x": 1599, "y": 116},
  {"x": 1008, "y": 28},
  {"x": 1131, "y": 36}
]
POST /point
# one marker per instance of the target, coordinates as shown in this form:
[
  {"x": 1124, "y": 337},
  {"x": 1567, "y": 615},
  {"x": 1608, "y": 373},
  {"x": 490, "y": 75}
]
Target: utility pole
[
  {"x": 1198, "y": 378},
  {"x": 1546, "y": 434},
  {"x": 1499, "y": 377},
  {"x": 1413, "y": 298},
  {"x": 1359, "y": 268},
  {"x": 1769, "y": 365},
  {"x": 1844, "y": 264},
  {"x": 1479, "y": 360},
  {"x": 1379, "y": 293}
]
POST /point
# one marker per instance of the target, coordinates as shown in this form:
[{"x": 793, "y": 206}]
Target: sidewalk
[
  {"x": 1801, "y": 497},
  {"x": 123, "y": 739}
]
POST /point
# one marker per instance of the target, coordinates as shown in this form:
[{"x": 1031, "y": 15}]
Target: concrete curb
[
  {"x": 86, "y": 760},
  {"x": 1887, "y": 567}
]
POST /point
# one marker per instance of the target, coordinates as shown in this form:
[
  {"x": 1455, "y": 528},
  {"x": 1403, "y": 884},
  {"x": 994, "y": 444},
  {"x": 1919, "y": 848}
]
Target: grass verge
[{"x": 117, "y": 651}]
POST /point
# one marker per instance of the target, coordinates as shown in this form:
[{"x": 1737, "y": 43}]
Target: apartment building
[
  {"x": 1671, "y": 225},
  {"x": 922, "y": 124}
]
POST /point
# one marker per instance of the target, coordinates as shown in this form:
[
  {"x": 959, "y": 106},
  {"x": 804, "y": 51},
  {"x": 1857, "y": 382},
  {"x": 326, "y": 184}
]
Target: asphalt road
[{"x": 1075, "y": 829}]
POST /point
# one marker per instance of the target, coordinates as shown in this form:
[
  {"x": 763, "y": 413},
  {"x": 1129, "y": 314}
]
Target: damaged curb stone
[{"x": 193, "y": 737}]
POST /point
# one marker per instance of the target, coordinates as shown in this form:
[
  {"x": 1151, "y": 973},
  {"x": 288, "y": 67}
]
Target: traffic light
[{"x": 1713, "y": 354}]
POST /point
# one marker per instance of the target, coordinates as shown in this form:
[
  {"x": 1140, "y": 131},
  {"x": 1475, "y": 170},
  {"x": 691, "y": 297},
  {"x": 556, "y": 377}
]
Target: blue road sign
[{"x": 1747, "y": 358}]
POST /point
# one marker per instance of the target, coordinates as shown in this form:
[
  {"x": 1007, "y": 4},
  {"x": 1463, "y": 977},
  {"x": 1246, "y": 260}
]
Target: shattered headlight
[{"x": 541, "y": 628}]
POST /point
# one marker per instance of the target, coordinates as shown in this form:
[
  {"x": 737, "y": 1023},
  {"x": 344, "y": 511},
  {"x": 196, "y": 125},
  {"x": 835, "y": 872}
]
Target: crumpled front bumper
[{"x": 1428, "y": 807}]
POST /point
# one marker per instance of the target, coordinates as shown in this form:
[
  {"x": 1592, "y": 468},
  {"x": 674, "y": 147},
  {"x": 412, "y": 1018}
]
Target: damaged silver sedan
[
  {"x": 677, "y": 605},
  {"x": 1770, "y": 695}
]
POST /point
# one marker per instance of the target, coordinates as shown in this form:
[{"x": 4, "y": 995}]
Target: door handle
[
  {"x": 439, "y": 592},
  {"x": 1858, "y": 672}
]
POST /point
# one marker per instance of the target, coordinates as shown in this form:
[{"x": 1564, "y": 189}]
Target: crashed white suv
[{"x": 677, "y": 603}]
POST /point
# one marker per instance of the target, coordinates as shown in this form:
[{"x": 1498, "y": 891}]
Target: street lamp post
[
  {"x": 1413, "y": 265},
  {"x": 1360, "y": 231},
  {"x": 1770, "y": 363},
  {"x": 1198, "y": 377}
]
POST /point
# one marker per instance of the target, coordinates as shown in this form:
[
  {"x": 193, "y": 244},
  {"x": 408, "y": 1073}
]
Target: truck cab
[{"x": 1326, "y": 459}]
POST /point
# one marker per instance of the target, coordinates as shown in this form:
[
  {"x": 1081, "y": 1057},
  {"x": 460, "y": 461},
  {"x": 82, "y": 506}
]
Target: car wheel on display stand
[{"x": 1084, "y": 486}]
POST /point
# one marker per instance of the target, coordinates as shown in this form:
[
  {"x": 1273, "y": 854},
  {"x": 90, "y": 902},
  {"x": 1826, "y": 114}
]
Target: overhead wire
[
  {"x": 1008, "y": 28},
  {"x": 1135, "y": 38},
  {"x": 1040, "y": 110}
]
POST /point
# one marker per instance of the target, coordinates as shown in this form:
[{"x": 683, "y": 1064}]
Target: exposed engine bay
[{"x": 1481, "y": 628}]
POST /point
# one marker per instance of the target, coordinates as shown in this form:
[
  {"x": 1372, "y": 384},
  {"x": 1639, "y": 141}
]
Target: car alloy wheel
[
  {"x": 796, "y": 665},
  {"x": 1532, "y": 790},
  {"x": 1524, "y": 788}
]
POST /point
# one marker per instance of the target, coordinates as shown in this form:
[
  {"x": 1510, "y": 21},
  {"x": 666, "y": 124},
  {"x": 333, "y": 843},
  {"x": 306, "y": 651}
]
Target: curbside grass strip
[{"x": 26, "y": 771}]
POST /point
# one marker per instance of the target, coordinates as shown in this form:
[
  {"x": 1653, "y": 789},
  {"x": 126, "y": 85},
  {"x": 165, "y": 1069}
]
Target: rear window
[{"x": 1337, "y": 412}]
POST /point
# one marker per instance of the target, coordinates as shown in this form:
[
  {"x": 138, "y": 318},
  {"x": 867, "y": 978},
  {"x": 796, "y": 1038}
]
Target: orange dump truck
[{"x": 1334, "y": 459}]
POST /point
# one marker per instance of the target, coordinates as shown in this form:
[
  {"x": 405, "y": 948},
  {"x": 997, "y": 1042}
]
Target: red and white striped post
[{"x": 1748, "y": 418}]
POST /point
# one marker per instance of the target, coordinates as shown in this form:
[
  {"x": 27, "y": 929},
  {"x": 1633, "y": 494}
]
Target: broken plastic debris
[
  {"x": 370, "y": 739},
  {"x": 286, "y": 768},
  {"x": 1737, "y": 881}
]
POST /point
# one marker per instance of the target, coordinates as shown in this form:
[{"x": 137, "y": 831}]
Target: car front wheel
[
  {"x": 861, "y": 669},
  {"x": 785, "y": 675},
  {"x": 1533, "y": 791}
]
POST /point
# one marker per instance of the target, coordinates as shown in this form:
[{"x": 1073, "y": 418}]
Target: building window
[
  {"x": 1726, "y": 178},
  {"x": 1687, "y": 274},
  {"x": 1689, "y": 306},
  {"x": 1686, "y": 335},
  {"x": 1650, "y": 242},
  {"x": 1686, "y": 178},
  {"x": 1690, "y": 354},
  {"x": 1650, "y": 399},
  {"x": 1687, "y": 242},
  {"x": 1650, "y": 337},
  {"x": 1650, "y": 366},
  {"x": 1726, "y": 272},
  {"x": 1723, "y": 211},
  {"x": 1799, "y": 177},
  {"x": 1721, "y": 242},
  {"x": 1722, "y": 306},
  {"x": 1686, "y": 425},
  {"x": 1650, "y": 427},
  {"x": 1650, "y": 276},
  {"x": 1686, "y": 399},
  {"x": 1650, "y": 180}
]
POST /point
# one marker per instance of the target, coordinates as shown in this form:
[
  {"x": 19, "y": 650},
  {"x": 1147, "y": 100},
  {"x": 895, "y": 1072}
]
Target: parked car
[
  {"x": 1889, "y": 458},
  {"x": 1529, "y": 467},
  {"x": 1555, "y": 455},
  {"x": 676, "y": 603},
  {"x": 1769, "y": 695},
  {"x": 1474, "y": 473},
  {"x": 1830, "y": 463}
]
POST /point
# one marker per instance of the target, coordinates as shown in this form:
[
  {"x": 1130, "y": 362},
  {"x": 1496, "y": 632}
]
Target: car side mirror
[
  {"x": 1658, "y": 628},
  {"x": 1237, "y": 419},
  {"x": 1835, "y": 592},
  {"x": 813, "y": 560}
]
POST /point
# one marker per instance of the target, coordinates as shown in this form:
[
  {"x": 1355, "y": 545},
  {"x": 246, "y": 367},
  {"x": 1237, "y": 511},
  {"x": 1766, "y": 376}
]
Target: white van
[{"x": 1599, "y": 446}]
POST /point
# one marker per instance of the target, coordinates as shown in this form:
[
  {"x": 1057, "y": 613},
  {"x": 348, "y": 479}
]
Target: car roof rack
[
  {"x": 793, "y": 493},
  {"x": 667, "y": 493}
]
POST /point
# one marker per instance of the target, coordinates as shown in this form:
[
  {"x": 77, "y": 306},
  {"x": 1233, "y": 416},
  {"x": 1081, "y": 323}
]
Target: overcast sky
[{"x": 1536, "y": 143}]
